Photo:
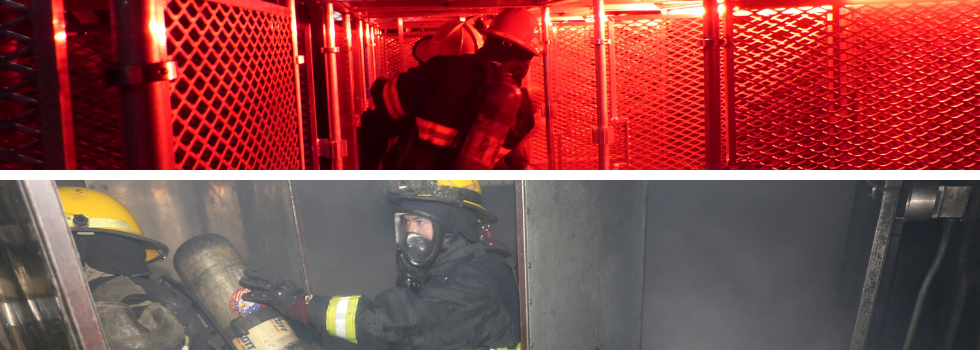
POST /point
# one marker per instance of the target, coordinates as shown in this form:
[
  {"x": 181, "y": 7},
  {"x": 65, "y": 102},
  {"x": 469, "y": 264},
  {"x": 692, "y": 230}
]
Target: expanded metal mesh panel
[
  {"x": 574, "y": 86},
  {"x": 882, "y": 86},
  {"x": 660, "y": 93},
  {"x": 235, "y": 99},
  {"x": 20, "y": 125},
  {"x": 393, "y": 58},
  {"x": 575, "y": 101},
  {"x": 94, "y": 105}
]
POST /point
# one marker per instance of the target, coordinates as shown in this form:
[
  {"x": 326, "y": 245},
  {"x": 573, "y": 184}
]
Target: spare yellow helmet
[
  {"x": 460, "y": 193},
  {"x": 88, "y": 210}
]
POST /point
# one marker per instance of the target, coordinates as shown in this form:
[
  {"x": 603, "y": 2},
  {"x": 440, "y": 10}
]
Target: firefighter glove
[{"x": 281, "y": 295}]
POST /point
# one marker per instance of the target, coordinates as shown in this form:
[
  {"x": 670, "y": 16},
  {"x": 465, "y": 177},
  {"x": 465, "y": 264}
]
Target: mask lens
[{"x": 419, "y": 247}]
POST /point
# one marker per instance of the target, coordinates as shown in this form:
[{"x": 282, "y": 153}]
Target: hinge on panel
[
  {"x": 706, "y": 43},
  {"x": 602, "y": 41},
  {"x": 300, "y": 59},
  {"x": 326, "y": 147},
  {"x": 606, "y": 137},
  {"x": 142, "y": 73}
]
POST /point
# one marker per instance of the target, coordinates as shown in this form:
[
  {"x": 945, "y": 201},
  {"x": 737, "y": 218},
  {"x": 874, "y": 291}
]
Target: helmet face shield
[{"x": 419, "y": 236}]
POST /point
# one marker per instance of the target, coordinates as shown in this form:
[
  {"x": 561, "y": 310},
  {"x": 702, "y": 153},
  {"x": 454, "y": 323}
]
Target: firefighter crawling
[
  {"x": 453, "y": 291},
  {"x": 137, "y": 309},
  {"x": 463, "y": 108}
]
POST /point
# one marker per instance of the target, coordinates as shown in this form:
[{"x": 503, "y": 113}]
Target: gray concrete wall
[{"x": 744, "y": 264}]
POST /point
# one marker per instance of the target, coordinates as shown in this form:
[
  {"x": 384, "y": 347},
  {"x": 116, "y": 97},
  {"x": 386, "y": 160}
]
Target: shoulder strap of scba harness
[{"x": 500, "y": 254}]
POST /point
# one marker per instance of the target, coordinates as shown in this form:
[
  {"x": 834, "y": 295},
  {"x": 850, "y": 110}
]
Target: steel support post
[
  {"x": 372, "y": 59},
  {"x": 402, "y": 59},
  {"x": 712, "y": 88},
  {"x": 299, "y": 91},
  {"x": 337, "y": 145},
  {"x": 141, "y": 63},
  {"x": 879, "y": 248},
  {"x": 66, "y": 269},
  {"x": 731, "y": 125},
  {"x": 520, "y": 188},
  {"x": 362, "y": 46},
  {"x": 350, "y": 126},
  {"x": 603, "y": 131},
  {"x": 51, "y": 63},
  {"x": 311, "y": 95},
  {"x": 548, "y": 94}
]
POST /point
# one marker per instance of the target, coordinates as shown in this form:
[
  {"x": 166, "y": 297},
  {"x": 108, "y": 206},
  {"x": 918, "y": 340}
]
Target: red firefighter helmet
[
  {"x": 517, "y": 26},
  {"x": 453, "y": 39}
]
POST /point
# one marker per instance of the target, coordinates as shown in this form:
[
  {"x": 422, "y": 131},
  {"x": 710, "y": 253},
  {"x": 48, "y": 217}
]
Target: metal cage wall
[
  {"x": 95, "y": 106},
  {"x": 875, "y": 86},
  {"x": 235, "y": 101},
  {"x": 35, "y": 113},
  {"x": 21, "y": 145}
]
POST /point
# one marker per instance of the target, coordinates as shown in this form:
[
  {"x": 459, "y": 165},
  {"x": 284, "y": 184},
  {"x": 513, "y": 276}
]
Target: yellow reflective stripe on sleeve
[
  {"x": 390, "y": 96},
  {"x": 438, "y": 134},
  {"x": 350, "y": 318},
  {"x": 341, "y": 312}
]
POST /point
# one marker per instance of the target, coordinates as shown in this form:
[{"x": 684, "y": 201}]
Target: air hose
[
  {"x": 924, "y": 290},
  {"x": 200, "y": 309}
]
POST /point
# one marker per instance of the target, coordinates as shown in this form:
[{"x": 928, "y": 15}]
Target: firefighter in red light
[{"x": 457, "y": 111}]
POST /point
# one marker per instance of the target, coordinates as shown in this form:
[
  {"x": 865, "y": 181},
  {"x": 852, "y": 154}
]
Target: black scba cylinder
[{"x": 264, "y": 329}]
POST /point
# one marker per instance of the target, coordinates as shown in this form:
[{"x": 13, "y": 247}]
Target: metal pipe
[
  {"x": 613, "y": 90},
  {"x": 336, "y": 136},
  {"x": 712, "y": 89},
  {"x": 602, "y": 115},
  {"x": 147, "y": 118},
  {"x": 402, "y": 61},
  {"x": 299, "y": 91},
  {"x": 879, "y": 248},
  {"x": 372, "y": 59},
  {"x": 365, "y": 82},
  {"x": 548, "y": 112},
  {"x": 51, "y": 63},
  {"x": 613, "y": 116},
  {"x": 730, "y": 85},
  {"x": 924, "y": 289},
  {"x": 351, "y": 124}
]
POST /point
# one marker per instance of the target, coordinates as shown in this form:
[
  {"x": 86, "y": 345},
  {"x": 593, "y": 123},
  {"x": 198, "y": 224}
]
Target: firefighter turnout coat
[{"x": 470, "y": 301}]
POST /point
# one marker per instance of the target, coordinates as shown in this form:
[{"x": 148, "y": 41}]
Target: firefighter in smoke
[
  {"x": 463, "y": 108},
  {"x": 453, "y": 291},
  {"x": 136, "y": 308}
]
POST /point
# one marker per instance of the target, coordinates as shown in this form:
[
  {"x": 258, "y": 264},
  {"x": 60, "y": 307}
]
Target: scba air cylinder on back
[{"x": 210, "y": 266}]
